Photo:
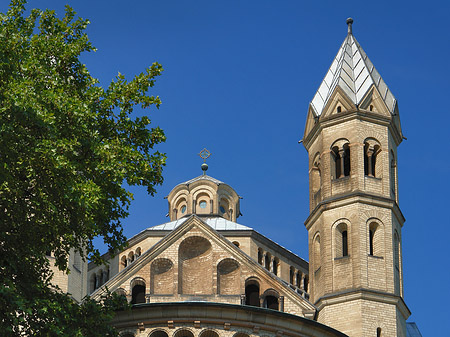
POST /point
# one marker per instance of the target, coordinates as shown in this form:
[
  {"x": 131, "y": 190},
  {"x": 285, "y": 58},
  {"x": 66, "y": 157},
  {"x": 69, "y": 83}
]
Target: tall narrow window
[
  {"x": 275, "y": 266},
  {"x": 267, "y": 261},
  {"x": 291, "y": 275},
  {"x": 260, "y": 256},
  {"x": 344, "y": 244},
  {"x": 378, "y": 332},
  {"x": 346, "y": 160},
  {"x": 370, "y": 242}
]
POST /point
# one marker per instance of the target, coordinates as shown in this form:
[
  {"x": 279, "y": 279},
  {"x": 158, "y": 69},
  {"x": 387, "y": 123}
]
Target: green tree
[{"x": 67, "y": 148}]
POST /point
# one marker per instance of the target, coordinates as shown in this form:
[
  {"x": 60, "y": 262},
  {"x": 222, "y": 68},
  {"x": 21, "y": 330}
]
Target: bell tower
[{"x": 352, "y": 133}]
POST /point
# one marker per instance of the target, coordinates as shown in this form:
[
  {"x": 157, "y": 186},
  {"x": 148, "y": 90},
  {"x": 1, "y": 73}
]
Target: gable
[{"x": 195, "y": 262}]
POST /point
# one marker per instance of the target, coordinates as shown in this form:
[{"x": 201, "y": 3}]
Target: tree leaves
[{"x": 67, "y": 146}]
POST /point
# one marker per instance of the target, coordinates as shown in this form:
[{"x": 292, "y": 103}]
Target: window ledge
[
  {"x": 376, "y": 257},
  {"x": 371, "y": 177},
  {"x": 341, "y": 257}
]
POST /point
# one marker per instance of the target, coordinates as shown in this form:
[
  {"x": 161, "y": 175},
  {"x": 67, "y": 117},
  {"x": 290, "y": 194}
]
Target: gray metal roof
[
  {"x": 412, "y": 330},
  {"x": 353, "y": 72},
  {"x": 217, "y": 223},
  {"x": 203, "y": 177}
]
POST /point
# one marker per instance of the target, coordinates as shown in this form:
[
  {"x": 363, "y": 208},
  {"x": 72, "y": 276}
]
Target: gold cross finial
[{"x": 204, "y": 154}]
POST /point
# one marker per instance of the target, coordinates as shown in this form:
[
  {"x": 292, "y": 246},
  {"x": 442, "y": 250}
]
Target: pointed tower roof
[{"x": 353, "y": 72}]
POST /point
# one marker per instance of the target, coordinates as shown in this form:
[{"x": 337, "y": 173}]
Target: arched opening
[
  {"x": 228, "y": 276},
  {"x": 183, "y": 333},
  {"x": 252, "y": 293},
  {"x": 161, "y": 277},
  {"x": 378, "y": 332},
  {"x": 371, "y": 233},
  {"x": 339, "y": 109},
  {"x": 305, "y": 284},
  {"x": 275, "y": 266},
  {"x": 340, "y": 159},
  {"x": 371, "y": 151},
  {"x": 138, "y": 291},
  {"x": 208, "y": 333},
  {"x": 271, "y": 299},
  {"x": 341, "y": 240},
  {"x": 267, "y": 259},
  {"x": 131, "y": 257},
  {"x": 203, "y": 204},
  {"x": 159, "y": 333},
  {"x": 316, "y": 247},
  {"x": 291, "y": 275},
  {"x": 236, "y": 243},
  {"x": 298, "y": 279},
  {"x": 138, "y": 252},
  {"x": 195, "y": 254},
  {"x": 260, "y": 256},
  {"x": 123, "y": 262},
  {"x": 392, "y": 174}
]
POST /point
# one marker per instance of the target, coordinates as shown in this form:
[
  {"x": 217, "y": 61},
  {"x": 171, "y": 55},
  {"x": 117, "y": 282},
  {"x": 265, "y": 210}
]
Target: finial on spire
[
  {"x": 204, "y": 154},
  {"x": 349, "y": 24}
]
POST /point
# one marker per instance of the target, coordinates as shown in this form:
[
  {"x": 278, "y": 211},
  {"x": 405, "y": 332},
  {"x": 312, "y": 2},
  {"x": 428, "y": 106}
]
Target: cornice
[
  {"x": 351, "y": 198},
  {"x": 364, "y": 294}
]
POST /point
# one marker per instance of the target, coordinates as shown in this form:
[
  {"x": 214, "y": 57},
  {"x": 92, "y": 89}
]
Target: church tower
[{"x": 355, "y": 242}]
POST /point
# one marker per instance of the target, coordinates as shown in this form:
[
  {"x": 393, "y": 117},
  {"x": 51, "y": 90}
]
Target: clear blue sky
[{"x": 238, "y": 78}]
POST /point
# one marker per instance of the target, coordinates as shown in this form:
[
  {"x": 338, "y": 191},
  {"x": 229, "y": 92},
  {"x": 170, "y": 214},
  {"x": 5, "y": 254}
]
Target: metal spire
[{"x": 349, "y": 24}]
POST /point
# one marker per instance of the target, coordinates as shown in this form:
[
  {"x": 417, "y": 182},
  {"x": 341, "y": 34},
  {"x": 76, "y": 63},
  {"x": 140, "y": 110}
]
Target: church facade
[{"x": 205, "y": 275}]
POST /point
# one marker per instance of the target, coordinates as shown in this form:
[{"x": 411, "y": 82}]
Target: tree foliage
[{"x": 67, "y": 146}]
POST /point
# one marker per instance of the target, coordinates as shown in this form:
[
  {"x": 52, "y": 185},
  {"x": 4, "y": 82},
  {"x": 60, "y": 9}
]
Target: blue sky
[{"x": 238, "y": 78}]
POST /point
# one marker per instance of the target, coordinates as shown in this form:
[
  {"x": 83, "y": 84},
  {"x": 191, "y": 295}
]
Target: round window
[
  {"x": 183, "y": 209},
  {"x": 203, "y": 204},
  {"x": 222, "y": 209}
]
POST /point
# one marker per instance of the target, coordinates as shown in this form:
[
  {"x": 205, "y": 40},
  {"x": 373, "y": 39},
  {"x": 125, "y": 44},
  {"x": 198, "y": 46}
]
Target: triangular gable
[{"x": 169, "y": 249}]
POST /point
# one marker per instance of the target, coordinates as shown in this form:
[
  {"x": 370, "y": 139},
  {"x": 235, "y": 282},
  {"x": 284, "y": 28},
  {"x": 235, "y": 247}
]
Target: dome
[{"x": 203, "y": 196}]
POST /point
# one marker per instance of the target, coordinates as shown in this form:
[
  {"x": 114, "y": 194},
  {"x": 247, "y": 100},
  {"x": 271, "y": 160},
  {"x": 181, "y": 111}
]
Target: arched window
[
  {"x": 291, "y": 275},
  {"x": 341, "y": 240},
  {"x": 298, "y": 279},
  {"x": 275, "y": 266},
  {"x": 305, "y": 283},
  {"x": 236, "y": 243},
  {"x": 138, "y": 252},
  {"x": 392, "y": 174},
  {"x": 131, "y": 257},
  {"x": 371, "y": 234},
  {"x": 121, "y": 292},
  {"x": 271, "y": 299},
  {"x": 267, "y": 259},
  {"x": 252, "y": 293},
  {"x": 339, "y": 109},
  {"x": 378, "y": 332},
  {"x": 124, "y": 262},
  {"x": 159, "y": 333},
  {"x": 183, "y": 333},
  {"x": 260, "y": 256},
  {"x": 138, "y": 291},
  {"x": 316, "y": 252},
  {"x": 371, "y": 151},
  {"x": 340, "y": 159},
  {"x": 344, "y": 243}
]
